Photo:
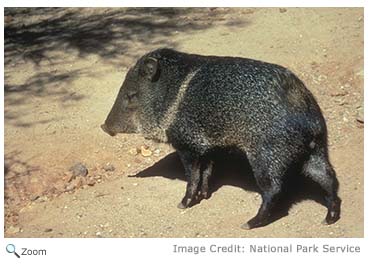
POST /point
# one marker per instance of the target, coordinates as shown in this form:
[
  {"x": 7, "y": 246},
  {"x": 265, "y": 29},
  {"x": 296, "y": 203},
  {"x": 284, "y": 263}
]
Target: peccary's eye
[
  {"x": 131, "y": 95},
  {"x": 131, "y": 99}
]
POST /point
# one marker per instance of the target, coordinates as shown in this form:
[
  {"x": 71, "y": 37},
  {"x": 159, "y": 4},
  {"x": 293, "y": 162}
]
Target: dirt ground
[{"x": 63, "y": 69}]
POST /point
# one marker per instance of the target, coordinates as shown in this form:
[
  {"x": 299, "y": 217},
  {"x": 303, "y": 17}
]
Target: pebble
[
  {"x": 322, "y": 77},
  {"x": 145, "y": 151},
  {"x": 108, "y": 167},
  {"x": 91, "y": 181},
  {"x": 96, "y": 177},
  {"x": 42, "y": 199},
  {"x": 34, "y": 197},
  {"x": 282, "y": 10},
  {"x": 13, "y": 230},
  {"x": 340, "y": 93},
  {"x": 74, "y": 184},
  {"x": 69, "y": 176},
  {"x": 360, "y": 115},
  {"x": 133, "y": 151},
  {"x": 78, "y": 170},
  {"x": 47, "y": 230},
  {"x": 70, "y": 187}
]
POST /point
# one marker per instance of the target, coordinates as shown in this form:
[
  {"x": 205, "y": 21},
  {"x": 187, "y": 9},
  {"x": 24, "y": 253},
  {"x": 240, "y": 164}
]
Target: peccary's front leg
[
  {"x": 207, "y": 169},
  {"x": 191, "y": 165}
]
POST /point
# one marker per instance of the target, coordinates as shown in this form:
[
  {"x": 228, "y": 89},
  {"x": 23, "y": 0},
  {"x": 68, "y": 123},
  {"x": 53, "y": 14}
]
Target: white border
[{"x": 160, "y": 250}]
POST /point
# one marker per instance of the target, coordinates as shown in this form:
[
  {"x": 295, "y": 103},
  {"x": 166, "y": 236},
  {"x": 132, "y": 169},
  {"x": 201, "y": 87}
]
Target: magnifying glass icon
[{"x": 10, "y": 248}]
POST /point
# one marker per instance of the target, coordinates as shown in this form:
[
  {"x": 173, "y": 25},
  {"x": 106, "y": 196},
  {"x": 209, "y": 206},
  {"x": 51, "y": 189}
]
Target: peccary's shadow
[{"x": 234, "y": 169}]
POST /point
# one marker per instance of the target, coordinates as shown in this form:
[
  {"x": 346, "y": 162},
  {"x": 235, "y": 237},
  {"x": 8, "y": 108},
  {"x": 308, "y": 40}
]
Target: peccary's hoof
[
  {"x": 331, "y": 217},
  {"x": 246, "y": 226},
  {"x": 334, "y": 212},
  {"x": 181, "y": 206},
  {"x": 184, "y": 204},
  {"x": 255, "y": 222}
]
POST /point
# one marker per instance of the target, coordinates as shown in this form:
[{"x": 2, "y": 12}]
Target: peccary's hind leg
[
  {"x": 191, "y": 166},
  {"x": 263, "y": 217},
  {"x": 268, "y": 179},
  {"x": 207, "y": 169},
  {"x": 318, "y": 168}
]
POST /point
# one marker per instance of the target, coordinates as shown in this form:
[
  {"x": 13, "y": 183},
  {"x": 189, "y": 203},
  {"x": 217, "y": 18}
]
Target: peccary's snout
[{"x": 106, "y": 130}]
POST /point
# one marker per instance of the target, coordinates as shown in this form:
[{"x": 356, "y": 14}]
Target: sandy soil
[{"x": 63, "y": 69}]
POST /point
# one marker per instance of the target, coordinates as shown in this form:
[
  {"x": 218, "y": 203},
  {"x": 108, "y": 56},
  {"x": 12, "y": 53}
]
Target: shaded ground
[{"x": 63, "y": 68}]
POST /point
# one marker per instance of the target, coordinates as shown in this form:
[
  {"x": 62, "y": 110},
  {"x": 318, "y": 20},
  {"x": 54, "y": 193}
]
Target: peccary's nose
[{"x": 105, "y": 129}]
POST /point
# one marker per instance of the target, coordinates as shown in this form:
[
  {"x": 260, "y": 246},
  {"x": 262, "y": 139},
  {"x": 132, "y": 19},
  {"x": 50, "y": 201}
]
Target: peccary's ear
[{"x": 151, "y": 69}]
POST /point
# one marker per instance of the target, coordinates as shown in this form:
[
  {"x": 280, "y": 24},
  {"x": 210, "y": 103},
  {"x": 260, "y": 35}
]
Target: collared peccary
[{"x": 203, "y": 103}]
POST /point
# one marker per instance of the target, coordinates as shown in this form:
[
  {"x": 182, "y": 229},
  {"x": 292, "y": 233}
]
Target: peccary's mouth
[{"x": 105, "y": 129}]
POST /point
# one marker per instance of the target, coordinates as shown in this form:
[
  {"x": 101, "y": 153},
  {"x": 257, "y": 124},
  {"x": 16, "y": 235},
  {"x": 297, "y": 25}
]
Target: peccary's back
[{"x": 235, "y": 101}]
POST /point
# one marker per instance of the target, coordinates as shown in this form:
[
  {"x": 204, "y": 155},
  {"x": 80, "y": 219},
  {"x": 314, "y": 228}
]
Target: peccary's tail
[{"x": 319, "y": 169}]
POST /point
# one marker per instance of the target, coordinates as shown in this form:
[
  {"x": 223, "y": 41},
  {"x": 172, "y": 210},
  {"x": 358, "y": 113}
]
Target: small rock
[
  {"x": 108, "y": 167},
  {"x": 74, "y": 184},
  {"x": 13, "y": 229},
  {"x": 91, "y": 181},
  {"x": 360, "y": 115},
  {"x": 322, "y": 77},
  {"x": 96, "y": 177},
  {"x": 145, "y": 151},
  {"x": 42, "y": 199},
  {"x": 157, "y": 152},
  {"x": 70, "y": 187},
  {"x": 133, "y": 151},
  {"x": 34, "y": 197},
  {"x": 282, "y": 10},
  {"x": 340, "y": 93},
  {"x": 78, "y": 170},
  {"x": 360, "y": 73},
  {"x": 68, "y": 176},
  {"x": 48, "y": 230},
  {"x": 79, "y": 182}
]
